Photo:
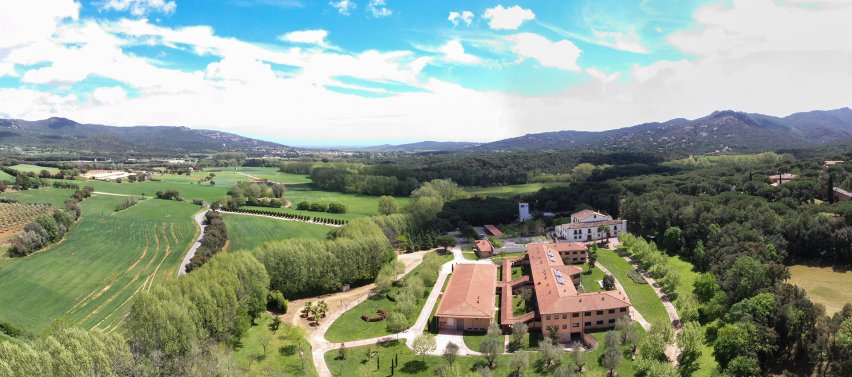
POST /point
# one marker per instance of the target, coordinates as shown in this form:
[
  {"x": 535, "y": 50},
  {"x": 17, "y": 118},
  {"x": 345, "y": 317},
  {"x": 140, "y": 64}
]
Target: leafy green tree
[
  {"x": 608, "y": 282},
  {"x": 611, "y": 359},
  {"x": 490, "y": 348},
  {"x": 388, "y": 205},
  {"x": 673, "y": 240},
  {"x": 451, "y": 351},
  {"x": 396, "y": 322},
  {"x": 519, "y": 361},
  {"x": 550, "y": 353},
  {"x": 519, "y": 332},
  {"x": 689, "y": 340},
  {"x": 579, "y": 355},
  {"x": 423, "y": 344},
  {"x": 446, "y": 241}
]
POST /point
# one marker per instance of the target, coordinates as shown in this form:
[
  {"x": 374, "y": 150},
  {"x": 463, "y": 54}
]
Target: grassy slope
[
  {"x": 249, "y": 232},
  {"x": 642, "y": 296},
  {"x": 282, "y": 354},
  {"x": 413, "y": 365},
  {"x": 510, "y": 190},
  {"x": 350, "y": 326},
  {"x": 356, "y": 205},
  {"x": 56, "y": 197},
  {"x": 824, "y": 285},
  {"x": 91, "y": 275},
  {"x": 6, "y": 177}
]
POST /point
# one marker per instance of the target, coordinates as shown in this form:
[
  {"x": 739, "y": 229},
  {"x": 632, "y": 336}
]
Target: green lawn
[
  {"x": 56, "y": 197},
  {"x": 510, "y": 191},
  {"x": 824, "y": 285},
  {"x": 6, "y": 177},
  {"x": 470, "y": 255},
  {"x": 356, "y": 205},
  {"x": 34, "y": 168},
  {"x": 590, "y": 277},
  {"x": 642, "y": 296},
  {"x": 282, "y": 357},
  {"x": 274, "y": 175},
  {"x": 248, "y": 232},
  {"x": 413, "y": 365},
  {"x": 350, "y": 326},
  {"x": 188, "y": 188},
  {"x": 108, "y": 257}
]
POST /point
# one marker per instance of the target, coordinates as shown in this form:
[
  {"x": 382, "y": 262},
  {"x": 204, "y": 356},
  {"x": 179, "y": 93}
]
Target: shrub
[
  {"x": 276, "y": 302},
  {"x": 382, "y": 314},
  {"x": 636, "y": 277},
  {"x": 336, "y": 208}
]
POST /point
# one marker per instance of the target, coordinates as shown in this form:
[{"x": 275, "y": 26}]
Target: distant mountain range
[
  {"x": 721, "y": 130},
  {"x": 68, "y": 134}
]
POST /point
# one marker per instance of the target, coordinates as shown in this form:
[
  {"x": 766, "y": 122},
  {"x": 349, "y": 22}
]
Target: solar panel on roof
[{"x": 559, "y": 278}]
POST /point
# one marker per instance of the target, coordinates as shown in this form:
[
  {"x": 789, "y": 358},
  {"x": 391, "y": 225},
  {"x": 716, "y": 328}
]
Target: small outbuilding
[{"x": 468, "y": 301}]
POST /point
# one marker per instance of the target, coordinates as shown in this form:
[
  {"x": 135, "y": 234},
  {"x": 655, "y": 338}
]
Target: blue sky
[{"x": 360, "y": 72}]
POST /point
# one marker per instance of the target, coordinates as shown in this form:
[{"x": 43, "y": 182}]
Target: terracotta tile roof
[
  {"x": 556, "y": 297},
  {"x": 584, "y": 214},
  {"x": 484, "y": 246},
  {"x": 470, "y": 292},
  {"x": 566, "y": 246},
  {"x": 494, "y": 231},
  {"x": 592, "y": 224}
]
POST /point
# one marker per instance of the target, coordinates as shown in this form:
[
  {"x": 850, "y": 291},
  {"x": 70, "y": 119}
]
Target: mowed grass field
[
  {"x": 248, "y": 232},
  {"x": 356, "y": 205},
  {"x": 91, "y": 276},
  {"x": 824, "y": 285},
  {"x": 6, "y": 177},
  {"x": 510, "y": 191},
  {"x": 34, "y": 168},
  {"x": 642, "y": 296},
  {"x": 282, "y": 352}
]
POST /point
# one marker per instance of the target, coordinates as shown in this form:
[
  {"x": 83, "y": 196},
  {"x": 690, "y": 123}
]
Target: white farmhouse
[{"x": 588, "y": 225}]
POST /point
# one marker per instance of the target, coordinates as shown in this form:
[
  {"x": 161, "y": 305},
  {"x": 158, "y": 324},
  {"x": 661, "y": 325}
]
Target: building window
[
  {"x": 565, "y": 316},
  {"x": 547, "y": 317},
  {"x": 575, "y": 325},
  {"x": 575, "y": 315},
  {"x": 611, "y": 311},
  {"x": 612, "y": 321},
  {"x": 599, "y": 312},
  {"x": 564, "y": 327},
  {"x": 588, "y": 324},
  {"x": 600, "y": 322},
  {"x": 623, "y": 310},
  {"x": 588, "y": 313}
]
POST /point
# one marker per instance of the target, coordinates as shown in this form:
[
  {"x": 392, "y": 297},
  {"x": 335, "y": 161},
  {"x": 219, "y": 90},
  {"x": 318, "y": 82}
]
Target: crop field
[
  {"x": 824, "y": 285},
  {"x": 90, "y": 277},
  {"x": 34, "y": 168},
  {"x": 510, "y": 191},
  {"x": 44, "y": 195},
  {"x": 356, "y": 205},
  {"x": 248, "y": 232},
  {"x": 13, "y": 216}
]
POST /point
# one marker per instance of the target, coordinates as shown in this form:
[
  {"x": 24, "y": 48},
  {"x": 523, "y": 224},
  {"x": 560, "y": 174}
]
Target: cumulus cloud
[
  {"x": 465, "y": 16},
  {"x": 314, "y": 37},
  {"x": 139, "y": 7},
  {"x": 24, "y": 22},
  {"x": 454, "y": 52},
  {"x": 344, "y": 7},
  {"x": 109, "y": 94},
  {"x": 562, "y": 54},
  {"x": 501, "y": 18},
  {"x": 378, "y": 8}
]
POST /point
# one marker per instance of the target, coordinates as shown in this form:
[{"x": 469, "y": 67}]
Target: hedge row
[{"x": 320, "y": 220}]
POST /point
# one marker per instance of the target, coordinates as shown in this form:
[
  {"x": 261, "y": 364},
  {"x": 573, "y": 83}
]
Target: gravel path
[{"x": 199, "y": 219}]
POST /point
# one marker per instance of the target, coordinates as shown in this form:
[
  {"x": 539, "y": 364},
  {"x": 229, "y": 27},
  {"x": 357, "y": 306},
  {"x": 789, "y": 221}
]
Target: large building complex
[
  {"x": 588, "y": 225},
  {"x": 468, "y": 302}
]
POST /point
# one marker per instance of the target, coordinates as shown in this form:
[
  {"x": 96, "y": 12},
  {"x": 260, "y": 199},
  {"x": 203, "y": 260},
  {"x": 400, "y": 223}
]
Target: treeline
[
  {"x": 332, "y": 207},
  {"x": 758, "y": 323},
  {"x": 189, "y": 326},
  {"x": 478, "y": 211},
  {"x": 46, "y": 230},
  {"x": 335, "y": 177},
  {"x": 603, "y": 196},
  {"x": 214, "y": 239},
  {"x": 125, "y": 204},
  {"x": 320, "y": 220},
  {"x": 354, "y": 254}
]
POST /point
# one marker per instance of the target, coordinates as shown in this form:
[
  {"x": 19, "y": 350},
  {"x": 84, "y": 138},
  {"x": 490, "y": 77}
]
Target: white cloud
[
  {"x": 109, "y": 95},
  {"x": 629, "y": 41},
  {"x": 465, "y": 16},
  {"x": 24, "y": 22},
  {"x": 562, "y": 54},
  {"x": 378, "y": 8},
  {"x": 139, "y": 7},
  {"x": 507, "y": 18},
  {"x": 344, "y": 7},
  {"x": 602, "y": 76},
  {"x": 454, "y": 52},
  {"x": 314, "y": 37}
]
